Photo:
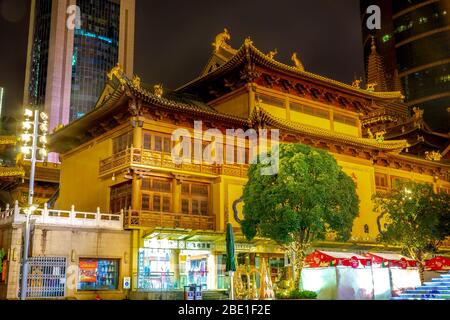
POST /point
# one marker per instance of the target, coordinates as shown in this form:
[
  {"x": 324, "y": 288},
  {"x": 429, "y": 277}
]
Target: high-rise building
[
  {"x": 2, "y": 93},
  {"x": 67, "y": 63},
  {"x": 414, "y": 45}
]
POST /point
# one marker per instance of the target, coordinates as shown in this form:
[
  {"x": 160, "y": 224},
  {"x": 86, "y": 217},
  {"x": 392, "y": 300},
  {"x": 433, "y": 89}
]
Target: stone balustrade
[{"x": 63, "y": 218}]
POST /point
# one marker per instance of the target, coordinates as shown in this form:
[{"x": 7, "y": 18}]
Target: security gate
[{"x": 46, "y": 278}]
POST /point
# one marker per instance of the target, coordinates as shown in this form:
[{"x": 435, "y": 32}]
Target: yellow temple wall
[
  {"x": 237, "y": 105},
  {"x": 80, "y": 183},
  {"x": 346, "y": 128},
  {"x": 310, "y": 120}
]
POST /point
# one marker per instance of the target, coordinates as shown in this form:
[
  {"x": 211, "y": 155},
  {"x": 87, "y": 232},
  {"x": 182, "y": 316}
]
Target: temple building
[{"x": 135, "y": 212}]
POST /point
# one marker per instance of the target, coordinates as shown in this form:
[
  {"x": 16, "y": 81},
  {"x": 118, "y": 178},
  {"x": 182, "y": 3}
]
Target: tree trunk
[
  {"x": 421, "y": 265},
  {"x": 299, "y": 263}
]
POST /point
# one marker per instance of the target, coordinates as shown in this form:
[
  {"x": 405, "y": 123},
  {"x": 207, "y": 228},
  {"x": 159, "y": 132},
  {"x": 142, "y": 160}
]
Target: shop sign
[
  {"x": 88, "y": 271},
  {"x": 243, "y": 246},
  {"x": 171, "y": 244},
  {"x": 126, "y": 282},
  {"x": 161, "y": 244},
  {"x": 199, "y": 245}
]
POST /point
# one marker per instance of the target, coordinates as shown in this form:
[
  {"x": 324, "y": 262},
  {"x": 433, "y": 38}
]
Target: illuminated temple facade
[{"x": 164, "y": 217}]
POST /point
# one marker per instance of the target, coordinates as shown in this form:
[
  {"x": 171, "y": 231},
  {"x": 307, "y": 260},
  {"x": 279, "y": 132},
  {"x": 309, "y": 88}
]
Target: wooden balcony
[
  {"x": 137, "y": 156},
  {"x": 150, "y": 219}
]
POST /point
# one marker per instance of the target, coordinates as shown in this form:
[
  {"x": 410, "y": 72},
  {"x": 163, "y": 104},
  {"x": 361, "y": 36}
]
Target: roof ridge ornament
[
  {"x": 297, "y": 62},
  {"x": 116, "y": 71},
  {"x": 158, "y": 90},
  {"x": 272, "y": 54},
  {"x": 371, "y": 86},
  {"x": 221, "y": 40},
  {"x": 137, "y": 81},
  {"x": 433, "y": 155}
]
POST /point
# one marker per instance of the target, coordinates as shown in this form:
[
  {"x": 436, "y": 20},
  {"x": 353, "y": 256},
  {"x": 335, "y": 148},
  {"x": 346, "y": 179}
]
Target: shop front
[{"x": 173, "y": 264}]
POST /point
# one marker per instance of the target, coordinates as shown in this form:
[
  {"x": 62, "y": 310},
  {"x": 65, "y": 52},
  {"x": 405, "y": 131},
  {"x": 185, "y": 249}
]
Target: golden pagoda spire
[{"x": 375, "y": 69}]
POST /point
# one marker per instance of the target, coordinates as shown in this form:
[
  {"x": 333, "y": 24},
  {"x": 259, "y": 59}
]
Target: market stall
[
  {"x": 438, "y": 263},
  {"x": 392, "y": 273},
  {"x": 338, "y": 275},
  {"x": 435, "y": 266}
]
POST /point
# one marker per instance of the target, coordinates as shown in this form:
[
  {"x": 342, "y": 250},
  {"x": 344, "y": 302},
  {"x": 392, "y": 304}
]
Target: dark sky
[{"x": 173, "y": 37}]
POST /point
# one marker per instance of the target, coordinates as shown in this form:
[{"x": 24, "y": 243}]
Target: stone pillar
[
  {"x": 135, "y": 244},
  {"x": 176, "y": 196},
  {"x": 175, "y": 265},
  {"x": 212, "y": 271},
  {"x": 14, "y": 264}
]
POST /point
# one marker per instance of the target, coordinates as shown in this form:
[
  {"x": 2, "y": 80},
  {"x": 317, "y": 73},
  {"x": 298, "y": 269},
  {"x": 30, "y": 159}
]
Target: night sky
[{"x": 173, "y": 37}]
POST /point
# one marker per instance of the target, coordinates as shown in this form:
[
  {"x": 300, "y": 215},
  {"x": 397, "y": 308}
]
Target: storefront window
[
  {"x": 173, "y": 268},
  {"x": 98, "y": 274}
]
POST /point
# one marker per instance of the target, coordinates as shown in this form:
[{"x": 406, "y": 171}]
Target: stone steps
[{"x": 436, "y": 289}]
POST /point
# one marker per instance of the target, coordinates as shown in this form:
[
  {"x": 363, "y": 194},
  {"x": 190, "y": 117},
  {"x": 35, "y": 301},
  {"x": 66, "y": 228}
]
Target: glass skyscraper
[
  {"x": 67, "y": 67},
  {"x": 95, "y": 52},
  {"x": 414, "y": 41}
]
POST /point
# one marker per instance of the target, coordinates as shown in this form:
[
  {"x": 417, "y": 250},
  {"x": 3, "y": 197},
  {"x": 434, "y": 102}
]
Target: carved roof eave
[
  {"x": 423, "y": 127},
  {"x": 249, "y": 50},
  {"x": 262, "y": 116},
  {"x": 421, "y": 161},
  {"x": 164, "y": 103},
  {"x": 8, "y": 140},
  {"x": 107, "y": 106}
]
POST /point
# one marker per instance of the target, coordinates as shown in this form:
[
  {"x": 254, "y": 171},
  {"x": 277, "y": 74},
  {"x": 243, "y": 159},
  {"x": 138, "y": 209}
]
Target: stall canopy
[
  {"x": 390, "y": 260},
  {"x": 321, "y": 258},
  {"x": 438, "y": 263}
]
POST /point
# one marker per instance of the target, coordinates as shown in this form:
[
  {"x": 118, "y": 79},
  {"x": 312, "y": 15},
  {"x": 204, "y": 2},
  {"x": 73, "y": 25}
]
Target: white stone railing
[{"x": 63, "y": 218}]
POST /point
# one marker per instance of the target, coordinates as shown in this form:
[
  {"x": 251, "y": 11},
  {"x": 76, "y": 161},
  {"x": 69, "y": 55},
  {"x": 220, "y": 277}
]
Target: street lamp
[{"x": 34, "y": 140}]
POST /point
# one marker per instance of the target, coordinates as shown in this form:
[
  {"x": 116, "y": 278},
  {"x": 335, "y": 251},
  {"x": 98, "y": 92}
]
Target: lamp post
[{"x": 34, "y": 139}]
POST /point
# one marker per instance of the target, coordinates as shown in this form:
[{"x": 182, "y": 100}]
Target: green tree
[
  {"x": 309, "y": 197},
  {"x": 417, "y": 219}
]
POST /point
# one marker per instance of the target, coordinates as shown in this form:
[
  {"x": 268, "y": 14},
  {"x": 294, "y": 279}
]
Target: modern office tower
[
  {"x": 414, "y": 45},
  {"x": 67, "y": 63}
]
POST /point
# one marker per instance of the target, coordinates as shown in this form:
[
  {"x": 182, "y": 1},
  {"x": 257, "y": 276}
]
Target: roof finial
[
  {"x": 373, "y": 45},
  {"x": 298, "y": 64}
]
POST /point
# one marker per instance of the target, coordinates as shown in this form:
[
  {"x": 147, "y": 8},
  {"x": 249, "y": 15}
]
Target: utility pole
[{"x": 38, "y": 136}]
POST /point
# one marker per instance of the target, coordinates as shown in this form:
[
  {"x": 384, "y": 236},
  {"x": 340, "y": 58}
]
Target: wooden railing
[
  {"x": 140, "y": 218},
  {"x": 137, "y": 156}
]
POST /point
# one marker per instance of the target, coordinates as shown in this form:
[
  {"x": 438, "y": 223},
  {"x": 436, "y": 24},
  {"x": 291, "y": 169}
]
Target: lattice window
[
  {"x": 157, "y": 142},
  {"x": 120, "y": 197},
  {"x": 195, "y": 198},
  {"x": 122, "y": 142},
  {"x": 156, "y": 194}
]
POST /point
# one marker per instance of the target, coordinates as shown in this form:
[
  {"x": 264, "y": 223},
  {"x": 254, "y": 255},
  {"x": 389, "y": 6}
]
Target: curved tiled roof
[
  {"x": 11, "y": 172},
  {"x": 249, "y": 50},
  {"x": 391, "y": 145},
  {"x": 180, "y": 102},
  {"x": 5, "y": 140}
]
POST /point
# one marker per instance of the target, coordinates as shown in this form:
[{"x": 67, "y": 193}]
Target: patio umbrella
[{"x": 231, "y": 264}]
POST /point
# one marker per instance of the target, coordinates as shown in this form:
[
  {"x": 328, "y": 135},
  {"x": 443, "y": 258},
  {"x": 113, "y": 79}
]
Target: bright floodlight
[
  {"x": 43, "y": 152},
  {"x": 25, "y": 150},
  {"x": 27, "y": 125},
  {"x": 26, "y": 137},
  {"x": 28, "y": 113},
  {"x": 44, "y": 116},
  {"x": 43, "y": 127}
]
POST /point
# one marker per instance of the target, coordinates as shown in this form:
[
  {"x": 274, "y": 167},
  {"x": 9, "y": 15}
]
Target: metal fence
[{"x": 46, "y": 278}]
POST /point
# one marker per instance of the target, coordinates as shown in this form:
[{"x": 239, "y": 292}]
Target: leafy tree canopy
[
  {"x": 308, "y": 197},
  {"x": 418, "y": 219}
]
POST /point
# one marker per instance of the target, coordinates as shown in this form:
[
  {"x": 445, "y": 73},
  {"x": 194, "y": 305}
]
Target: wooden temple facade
[{"x": 118, "y": 156}]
